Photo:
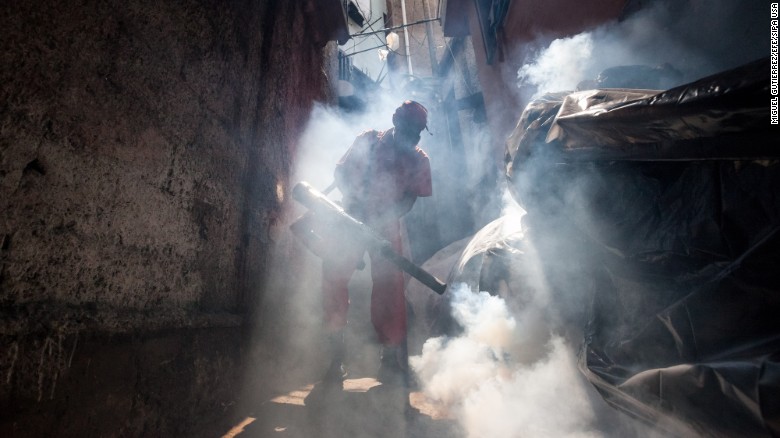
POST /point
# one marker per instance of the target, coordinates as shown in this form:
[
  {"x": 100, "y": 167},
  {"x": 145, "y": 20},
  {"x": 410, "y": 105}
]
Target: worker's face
[{"x": 407, "y": 137}]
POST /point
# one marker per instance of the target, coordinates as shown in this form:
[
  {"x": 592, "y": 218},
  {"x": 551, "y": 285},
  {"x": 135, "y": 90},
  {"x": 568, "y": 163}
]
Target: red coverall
[{"x": 376, "y": 179}]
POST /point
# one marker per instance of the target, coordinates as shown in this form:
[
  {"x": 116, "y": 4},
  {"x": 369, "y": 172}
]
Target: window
[{"x": 354, "y": 12}]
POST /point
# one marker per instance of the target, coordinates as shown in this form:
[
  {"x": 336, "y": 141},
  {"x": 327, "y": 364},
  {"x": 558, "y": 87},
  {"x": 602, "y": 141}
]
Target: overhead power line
[{"x": 388, "y": 29}]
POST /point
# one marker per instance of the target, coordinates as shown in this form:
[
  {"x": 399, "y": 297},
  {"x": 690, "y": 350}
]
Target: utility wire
[
  {"x": 357, "y": 42},
  {"x": 361, "y": 51},
  {"x": 370, "y": 25},
  {"x": 360, "y": 32},
  {"x": 388, "y": 29}
]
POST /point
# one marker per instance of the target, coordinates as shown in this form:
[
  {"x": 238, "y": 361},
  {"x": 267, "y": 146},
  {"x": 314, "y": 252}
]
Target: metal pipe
[
  {"x": 406, "y": 38},
  {"x": 429, "y": 34},
  {"x": 331, "y": 213}
]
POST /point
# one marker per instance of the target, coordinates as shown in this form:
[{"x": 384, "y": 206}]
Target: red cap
[{"x": 412, "y": 114}]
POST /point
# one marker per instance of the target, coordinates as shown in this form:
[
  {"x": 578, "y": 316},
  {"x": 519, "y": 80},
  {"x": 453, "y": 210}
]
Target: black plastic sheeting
[{"x": 661, "y": 210}]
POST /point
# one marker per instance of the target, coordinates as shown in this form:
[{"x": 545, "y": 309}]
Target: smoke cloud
[
  {"x": 506, "y": 375},
  {"x": 694, "y": 38},
  {"x": 547, "y": 73},
  {"x": 512, "y": 371},
  {"x": 330, "y": 132}
]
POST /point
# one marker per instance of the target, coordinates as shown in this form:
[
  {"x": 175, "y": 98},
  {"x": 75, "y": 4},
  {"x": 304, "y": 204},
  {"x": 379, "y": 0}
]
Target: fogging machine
[{"x": 331, "y": 212}]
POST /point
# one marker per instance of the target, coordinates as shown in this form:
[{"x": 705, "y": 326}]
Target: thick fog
[
  {"x": 694, "y": 38},
  {"x": 512, "y": 369}
]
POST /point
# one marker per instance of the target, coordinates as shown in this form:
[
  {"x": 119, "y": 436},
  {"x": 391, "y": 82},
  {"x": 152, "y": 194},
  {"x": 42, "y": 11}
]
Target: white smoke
[
  {"x": 506, "y": 375},
  {"x": 697, "y": 39},
  {"x": 512, "y": 370},
  {"x": 548, "y": 73},
  {"x": 522, "y": 380},
  {"x": 330, "y": 132}
]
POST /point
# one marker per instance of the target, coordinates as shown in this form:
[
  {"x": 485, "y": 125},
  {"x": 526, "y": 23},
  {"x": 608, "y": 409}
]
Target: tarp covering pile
[{"x": 660, "y": 210}]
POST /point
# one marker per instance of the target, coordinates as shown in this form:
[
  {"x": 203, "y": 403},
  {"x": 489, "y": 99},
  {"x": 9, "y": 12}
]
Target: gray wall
[{"x": 145, "y": 150}]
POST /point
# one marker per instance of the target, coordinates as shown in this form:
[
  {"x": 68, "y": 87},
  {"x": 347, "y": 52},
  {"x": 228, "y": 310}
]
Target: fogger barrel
[{"x": 321, "y": 205}]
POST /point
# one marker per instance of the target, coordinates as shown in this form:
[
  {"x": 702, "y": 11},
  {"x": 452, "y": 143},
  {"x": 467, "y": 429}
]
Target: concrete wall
[{"x": 145, "y": 150}]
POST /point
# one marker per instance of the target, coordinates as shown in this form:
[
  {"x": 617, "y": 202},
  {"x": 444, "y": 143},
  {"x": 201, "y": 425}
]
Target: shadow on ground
[{"x": 361, "y": 408}]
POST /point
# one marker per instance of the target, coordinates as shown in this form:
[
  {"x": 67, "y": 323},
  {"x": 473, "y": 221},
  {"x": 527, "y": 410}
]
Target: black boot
[
  {"x": 336, "y": 372},
  {"x": 394, "y": 366},
  {"x": 396, "y": 380},
  {"x": 330, "y": 389}
]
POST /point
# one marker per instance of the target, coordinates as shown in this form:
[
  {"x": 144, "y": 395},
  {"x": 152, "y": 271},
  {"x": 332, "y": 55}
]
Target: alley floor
[{"x": 363, "y": 408}]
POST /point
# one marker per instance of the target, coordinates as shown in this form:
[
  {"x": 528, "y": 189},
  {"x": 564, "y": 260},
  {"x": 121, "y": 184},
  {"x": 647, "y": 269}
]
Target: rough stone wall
[
  {"x": 174, "y": 383},
  {"x": 145, "y": 150}
]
